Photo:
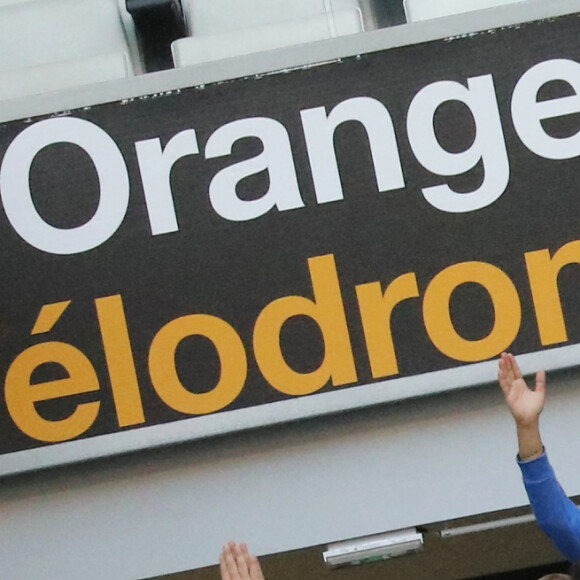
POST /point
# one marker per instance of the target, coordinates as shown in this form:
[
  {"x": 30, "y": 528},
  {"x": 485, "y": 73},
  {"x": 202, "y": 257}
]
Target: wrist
[
  {"x": 530, "y": 454},
  {"x": 529, "y": 439},
  {"x": 528, "y": 423}
]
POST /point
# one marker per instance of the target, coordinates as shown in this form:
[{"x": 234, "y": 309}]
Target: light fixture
[
  {"x": 489, "y": 525},
  {"x": 486, "y": 526},
  {"x": 373, "y": 548}
]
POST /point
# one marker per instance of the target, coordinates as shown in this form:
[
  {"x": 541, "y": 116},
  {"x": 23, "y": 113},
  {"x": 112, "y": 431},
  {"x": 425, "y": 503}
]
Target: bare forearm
[{"x": 529, "y": 439}]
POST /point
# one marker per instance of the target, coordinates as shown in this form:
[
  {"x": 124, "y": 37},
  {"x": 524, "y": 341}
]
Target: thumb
[{"x": 541, "y": 383}]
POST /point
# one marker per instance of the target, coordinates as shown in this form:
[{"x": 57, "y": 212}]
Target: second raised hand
[{"x": 236, "y": 563}]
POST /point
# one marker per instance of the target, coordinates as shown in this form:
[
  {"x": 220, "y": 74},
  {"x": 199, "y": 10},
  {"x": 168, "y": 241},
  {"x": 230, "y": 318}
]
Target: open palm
[
  {"x": 236, "y": 563},
  {"x": 525, "y": 404}
]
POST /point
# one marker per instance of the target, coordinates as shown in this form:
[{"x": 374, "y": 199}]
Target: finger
[
  {"x": 254, "y": 567},
  {"x": 502, "y": 382},
  {"x": 503, "y": 374},
  {"x": 506, "y": 366},
  {"x": 501, "y": 364},
  {"x": 253, "y": 564},
  {"x": 230, "y": 562},
  {"x": 241, "y": 563},
  {"x": 541, "y": 382},
  {"x": 224, "y": 568},
  {"x": 515, "y": 367}
]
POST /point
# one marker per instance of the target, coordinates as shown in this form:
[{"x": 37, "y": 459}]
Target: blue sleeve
[{"x": 555, "y": 513}]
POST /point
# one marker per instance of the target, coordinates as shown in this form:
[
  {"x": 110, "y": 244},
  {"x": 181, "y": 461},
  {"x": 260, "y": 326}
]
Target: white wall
[
  {"x": 425, "y": 9},
  {"x": 304, "y": 484}
]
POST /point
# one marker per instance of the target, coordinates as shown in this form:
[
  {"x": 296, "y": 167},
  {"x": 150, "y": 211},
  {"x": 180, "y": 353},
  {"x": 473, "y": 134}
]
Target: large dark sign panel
[{"x": 196, "y": 254}]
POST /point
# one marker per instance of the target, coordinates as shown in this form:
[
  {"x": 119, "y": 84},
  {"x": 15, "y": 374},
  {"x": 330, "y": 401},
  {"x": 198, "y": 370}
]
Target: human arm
[
  {"x": 555, "y": 513},
  {"x": 236, "y": 563}
]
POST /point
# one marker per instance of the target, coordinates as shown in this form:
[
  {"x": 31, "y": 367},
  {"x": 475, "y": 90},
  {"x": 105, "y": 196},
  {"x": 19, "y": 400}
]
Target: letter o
[
  {"x": 17, "y": 197},
  {"x": 437, "y": 316},
  {"x": 232, "y": 354}
]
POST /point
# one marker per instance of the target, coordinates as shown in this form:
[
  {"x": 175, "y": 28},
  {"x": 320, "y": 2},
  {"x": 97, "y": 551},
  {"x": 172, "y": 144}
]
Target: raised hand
[
  {"x": 525, "y": 404},
  {"x": 236, "y": 563}
]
